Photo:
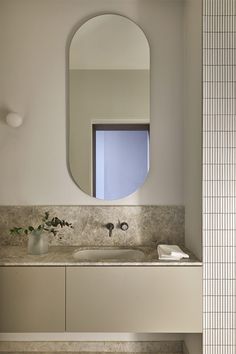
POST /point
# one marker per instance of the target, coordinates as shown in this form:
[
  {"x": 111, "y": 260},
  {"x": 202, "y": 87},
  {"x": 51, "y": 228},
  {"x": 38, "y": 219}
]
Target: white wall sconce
[{"x": 14, "y": 120}]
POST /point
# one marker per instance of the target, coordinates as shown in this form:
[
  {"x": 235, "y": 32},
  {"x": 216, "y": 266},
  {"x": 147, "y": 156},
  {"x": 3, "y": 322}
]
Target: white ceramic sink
[{"x": 113, "y": 254}]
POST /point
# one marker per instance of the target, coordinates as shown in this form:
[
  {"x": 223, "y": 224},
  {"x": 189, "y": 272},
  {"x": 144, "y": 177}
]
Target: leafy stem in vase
[{"x": 51, "y": 225}]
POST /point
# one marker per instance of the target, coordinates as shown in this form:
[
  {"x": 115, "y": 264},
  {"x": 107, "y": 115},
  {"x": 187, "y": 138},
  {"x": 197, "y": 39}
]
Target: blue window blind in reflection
[{"x": 122, "y": 162}]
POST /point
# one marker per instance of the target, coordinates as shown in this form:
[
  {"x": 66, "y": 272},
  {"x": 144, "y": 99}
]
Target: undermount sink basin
[{"x": 111, "y": 254}]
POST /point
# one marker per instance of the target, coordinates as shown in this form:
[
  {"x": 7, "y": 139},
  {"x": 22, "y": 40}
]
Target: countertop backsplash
[{"x": 148, "y": 225}]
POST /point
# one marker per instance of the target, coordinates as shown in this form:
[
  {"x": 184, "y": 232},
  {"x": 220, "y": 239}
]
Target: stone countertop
[{"x": 63, "y": 256}]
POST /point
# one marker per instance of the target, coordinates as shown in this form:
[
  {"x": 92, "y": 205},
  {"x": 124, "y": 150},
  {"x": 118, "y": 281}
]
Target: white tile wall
[{"x": 219, "y": 176}]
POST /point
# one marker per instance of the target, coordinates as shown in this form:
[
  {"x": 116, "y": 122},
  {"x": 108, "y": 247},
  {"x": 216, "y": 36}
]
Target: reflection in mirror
[
  {"x": 120, "y": 159},
  {"x": 109, "y": 107}
]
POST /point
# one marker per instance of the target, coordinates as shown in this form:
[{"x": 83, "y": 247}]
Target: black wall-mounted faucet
[{"x": 110, "y": 227}]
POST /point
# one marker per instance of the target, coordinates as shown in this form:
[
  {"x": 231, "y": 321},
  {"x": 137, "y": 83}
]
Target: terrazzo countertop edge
[{"x": 63, "y": 256}]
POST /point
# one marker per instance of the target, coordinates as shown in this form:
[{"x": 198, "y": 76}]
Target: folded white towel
[{"x": 171, "y": 252}]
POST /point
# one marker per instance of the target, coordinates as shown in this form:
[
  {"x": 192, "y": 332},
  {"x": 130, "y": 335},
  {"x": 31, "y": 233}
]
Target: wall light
[{"x": 14, "y": 120}]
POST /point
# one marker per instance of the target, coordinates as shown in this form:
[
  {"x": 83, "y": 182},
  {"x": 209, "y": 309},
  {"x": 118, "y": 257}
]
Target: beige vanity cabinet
[
  {"x": 32, "y": 299},
  {"x": 134, "y": 299}
]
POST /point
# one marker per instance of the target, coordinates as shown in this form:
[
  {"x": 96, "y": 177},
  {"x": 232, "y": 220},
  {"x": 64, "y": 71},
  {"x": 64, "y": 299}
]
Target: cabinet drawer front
[
  {"x": 134, "y": 299},
  {"x": 32, "y": 299}
]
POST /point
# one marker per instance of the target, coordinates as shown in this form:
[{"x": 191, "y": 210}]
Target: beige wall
[
  {"x": 193, "y": 126},
  {"x": 104, "y": 96},
  {"x": 193, "y": 343},
  {"x": 34, "y": 36}
]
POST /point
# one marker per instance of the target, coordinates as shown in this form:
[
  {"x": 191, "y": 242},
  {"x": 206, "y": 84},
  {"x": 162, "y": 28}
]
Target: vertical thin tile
[{"x": 219, "y": 176}]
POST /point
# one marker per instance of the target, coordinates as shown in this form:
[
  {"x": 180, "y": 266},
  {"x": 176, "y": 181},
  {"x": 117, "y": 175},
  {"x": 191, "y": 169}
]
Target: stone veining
[
  {"x": 167, "y": 347},
  {"x": 63, "y": 256},
  {"x": 148, "y": 225}
]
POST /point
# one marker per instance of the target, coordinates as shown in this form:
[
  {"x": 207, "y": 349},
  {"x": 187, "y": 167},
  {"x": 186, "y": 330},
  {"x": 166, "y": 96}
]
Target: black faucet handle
[
  {"x": 110, "y": 227},
  {"x": 124, "y": 226}
]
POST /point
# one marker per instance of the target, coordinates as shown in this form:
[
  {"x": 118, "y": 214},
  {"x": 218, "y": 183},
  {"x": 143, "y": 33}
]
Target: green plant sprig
[{"x": 50, "y": 225}]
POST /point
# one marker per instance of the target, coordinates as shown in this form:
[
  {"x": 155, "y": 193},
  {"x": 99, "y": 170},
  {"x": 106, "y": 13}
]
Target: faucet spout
[{"x": 110, "y": 227}]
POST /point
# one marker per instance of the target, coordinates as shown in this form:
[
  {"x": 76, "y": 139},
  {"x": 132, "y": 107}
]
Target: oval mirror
[{"x": 109, "y": 74}]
